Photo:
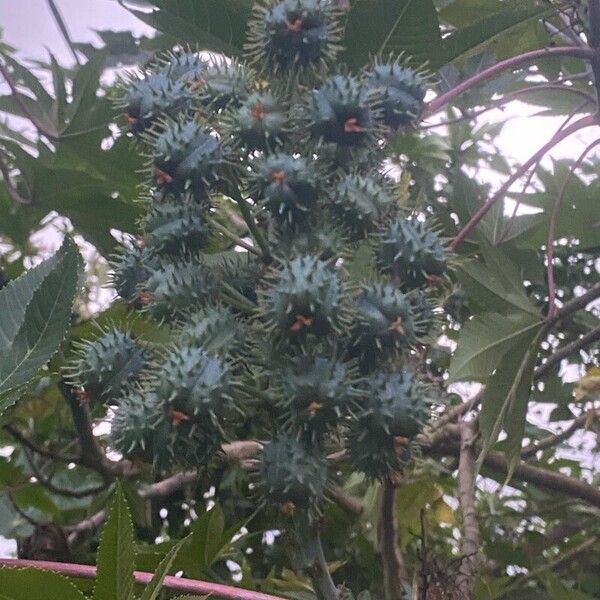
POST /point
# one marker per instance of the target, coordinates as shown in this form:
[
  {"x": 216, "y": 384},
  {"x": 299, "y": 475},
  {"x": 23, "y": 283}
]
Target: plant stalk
[
  {"x": 582, "y": 123},
  {"x": 443, "y": 99},
  {"x": 321, "y": 578}
]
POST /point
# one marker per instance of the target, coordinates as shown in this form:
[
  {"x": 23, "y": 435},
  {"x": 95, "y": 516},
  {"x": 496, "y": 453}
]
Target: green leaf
[
  {"x": 210, "y": 24},
  {"x": 504, "y": 18},
  {"x": 396, "y": 26},
  {"x": 557, "y": 591},
  {"x": 506, "y": 396},
  {"x": 208, "y": 539},
  {"x": 30, "y": 584},
  {"x": 153, "y": 588},
  {"x": 86, "y": 110},
  {"x": 495, "y": 283},
  {"x": 116, "y": 553},
  {"x": 484, "y": 340},
  {"x": 17, "y": 295},
  {"x": 24, "y": 75},
  {"x": 94, "y": 198},
  {"x": 45, "y": 319}
]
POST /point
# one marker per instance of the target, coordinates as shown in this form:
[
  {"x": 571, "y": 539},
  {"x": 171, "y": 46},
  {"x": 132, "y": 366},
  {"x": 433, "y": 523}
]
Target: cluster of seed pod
[{"x": 265, "y": 180}]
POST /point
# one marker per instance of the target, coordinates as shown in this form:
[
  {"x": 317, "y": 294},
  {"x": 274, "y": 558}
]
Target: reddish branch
[
  {"x": 516, "y": 61},
  {"x": 178, "y": 584},
  {"x": 470, "y": 540},
  {"x": 509, "y": 97},
  {"x": 587, "y": 121}
]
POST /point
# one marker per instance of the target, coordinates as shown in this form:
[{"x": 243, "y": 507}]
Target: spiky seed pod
[
  {"x": 292, "y": 477},
  {"x": 193, "y": 444},
  {"x": 362, "y": 201},
  {"x": 177, "y": 287},
  {"x": 324, "y": 240},
  {"x": 341, "y": 112},
  {"x": 186, "y": 155},
  {"x": 216, "y": 329},
  {"x": 259, "y": 123},
  {"x": 374, "y": 453},
  {"x": 293, "y": 34},
  {"x": 385, "y": 326},
  {"x": 105, "y": 366},
  {"x": 132, "y": 267},
  {"x": 305, "y": 297},
  {"x": 133, "y": 425},
  {"x": 315, "y": 393},
  {"x": 411, "y": 252},
  {"x": 225, "y": 83},
  {"x": 400, "y": 91},
  {"x": 194, "y": 385},
  {"x": 423, "y": 311},
  {"x": 146, "y": 99},
  {"x": 186, "y": 67},
  {"x": 177, "y": 441},
  {"x": 176, "y": 228},
  {"x": 287, "y": 185},
  {"x": 397, "y": 405}
]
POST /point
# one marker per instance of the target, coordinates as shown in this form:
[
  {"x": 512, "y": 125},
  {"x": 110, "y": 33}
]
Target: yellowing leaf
[
  {"x": 588, "y": 385},
  {"x": 443, "y": 512}
]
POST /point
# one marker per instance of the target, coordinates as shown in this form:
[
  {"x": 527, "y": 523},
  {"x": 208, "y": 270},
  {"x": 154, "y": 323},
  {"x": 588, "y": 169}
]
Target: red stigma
[
  {"x": 131, "y": 121},
  {"x": 300, "y": 322},
  {"x": 278, "y": 176},
  {"x": 82, "y": 396},
  {"x": 295, "y": 25},
  {"x": 145, "y": 298},
  {"x": 258, "y": 111},
  {"x": 177, "y": 417},
  {"x": 161, "y": 177},
  {"x": 351, "y": 126}
]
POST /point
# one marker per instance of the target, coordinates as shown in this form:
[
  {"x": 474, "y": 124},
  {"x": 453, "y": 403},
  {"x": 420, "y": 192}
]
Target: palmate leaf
[
  {"x": 116, "y": 558},
  {"x": 218, "y": 25},
  {"x": 506, "y": 396},
  {"x": 396, "y": 26},
  {"x": 408, "y": 26},
  {"x": 153, "y": 589},
  {"x": 495, "y": 283},
  {"x": 482, "y": 22},
  {"x": 34, "y": 313},
  {"x": 26, "y": 584},
  {"x": 484, "y": 340}
]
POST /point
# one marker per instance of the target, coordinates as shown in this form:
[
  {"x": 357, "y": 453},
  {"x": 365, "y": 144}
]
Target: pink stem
[
  {"x": 173, "y": 583},
  {"x": 552, "y": 310},
  {"x": 534, "y": 168},
  {"x": 586, "y": 121},
  {"x": 515, "y": 61}
]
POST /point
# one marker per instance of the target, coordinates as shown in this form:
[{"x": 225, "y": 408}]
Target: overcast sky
[{"x": 29, "y": 27}]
